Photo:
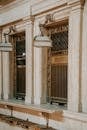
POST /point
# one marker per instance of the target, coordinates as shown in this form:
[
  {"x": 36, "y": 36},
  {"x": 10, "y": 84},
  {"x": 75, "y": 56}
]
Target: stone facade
[{"x": 26, "y": 16}]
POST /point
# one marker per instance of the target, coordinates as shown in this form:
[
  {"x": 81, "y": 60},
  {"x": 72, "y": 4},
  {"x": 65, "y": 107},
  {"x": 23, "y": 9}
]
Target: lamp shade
[{"x": 42, "y": 41}]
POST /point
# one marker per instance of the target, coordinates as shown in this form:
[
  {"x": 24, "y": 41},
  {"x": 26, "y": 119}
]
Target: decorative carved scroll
[{"x": 57, "y": 29}]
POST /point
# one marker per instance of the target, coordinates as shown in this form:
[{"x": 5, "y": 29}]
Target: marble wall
[{"x": 36, "y": 57}]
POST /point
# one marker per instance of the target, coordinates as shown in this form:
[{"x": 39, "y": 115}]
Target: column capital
[
  {"x": 29, "y": 19},
  {"x": 5, "y": 47}
]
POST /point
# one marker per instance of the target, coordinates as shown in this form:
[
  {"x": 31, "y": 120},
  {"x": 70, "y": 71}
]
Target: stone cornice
[
  {"x": 76, "y": 2},
  {"x": 12, "y": 5},
  {"x": 43, "y": 6},
  {"x": 5, "y": 2}
]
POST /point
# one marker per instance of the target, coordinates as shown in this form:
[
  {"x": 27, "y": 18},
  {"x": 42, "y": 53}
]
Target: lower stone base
[
  {"x": 51, "y": 117},
  {"x": 15, "y": 122}
]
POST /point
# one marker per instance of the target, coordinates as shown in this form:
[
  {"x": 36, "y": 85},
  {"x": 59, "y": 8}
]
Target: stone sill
[
  {"x": 46, "y": 111},
  {"x": 43, "y": 107},
  {"x": 75, "y": 116}
]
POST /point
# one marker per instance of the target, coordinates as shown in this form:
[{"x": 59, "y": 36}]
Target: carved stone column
[
  {"x": 40, "y": 75},
  {"x": 6, "y": 75},
  {"x": 74, "y": 57},
  {"x": 29, "y": 61},
  {"x": 40, "y": 67},
  {"x": 0, "y": 67},
  {"x": 6, "y": 48}
]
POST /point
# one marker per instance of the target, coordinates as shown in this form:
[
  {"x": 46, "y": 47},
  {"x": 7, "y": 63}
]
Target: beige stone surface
[
  {"x": 6, "y": 80},
  {"x": 5, "y": 126},
  {"x": 74, "y": 58},
  {"x": 84, "y": 61},
  {"x": 14, "y": 11},
  {"x": 36, "y": 59},
  {"x": 0, "y": 67},
  {"x": 29, "y": 62}
]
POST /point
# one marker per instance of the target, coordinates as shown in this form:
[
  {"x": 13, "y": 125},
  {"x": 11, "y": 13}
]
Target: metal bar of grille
[
  {"x": 20, "y": 69},
  {"x": 59, "y": 82}
]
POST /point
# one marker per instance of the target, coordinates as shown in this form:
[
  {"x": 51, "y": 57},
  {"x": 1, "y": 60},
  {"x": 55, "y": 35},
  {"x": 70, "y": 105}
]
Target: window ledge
[
  {"x": 43, "y": 107},
  {"x": 75, "y": 116}
]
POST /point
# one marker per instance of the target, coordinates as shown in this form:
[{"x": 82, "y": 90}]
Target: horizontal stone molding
[
  {"x": 42, "y": 6},
  {"x": 73, "y": 2},
  {"x": 75, "y": 116}
]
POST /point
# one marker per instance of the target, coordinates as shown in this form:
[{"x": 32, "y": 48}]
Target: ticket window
[
  {"x": 20, "y": 69},
  {"x": 58, "y": 65}
]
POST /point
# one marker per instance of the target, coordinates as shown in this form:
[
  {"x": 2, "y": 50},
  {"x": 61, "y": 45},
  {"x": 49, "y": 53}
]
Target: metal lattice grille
[
  {"x": 59, "y": 83},
  {"x": 20, "y": 69},
  {"x": 59, "y": 42},
  {"x": 20, "y": 47},
  {"x": 58, "y": 64}
]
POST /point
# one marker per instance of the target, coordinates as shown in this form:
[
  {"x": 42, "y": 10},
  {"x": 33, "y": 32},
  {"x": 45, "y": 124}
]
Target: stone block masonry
[{"x": 26, "y": 125}]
